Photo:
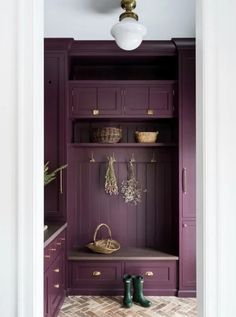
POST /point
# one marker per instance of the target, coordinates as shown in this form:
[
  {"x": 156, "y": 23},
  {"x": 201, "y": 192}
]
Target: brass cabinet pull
[
  {"x": 149, "y": 273},
  {"x": 56, "y": 270},
  {"x": 95, "y": 112},
  {"x": 61, "y": 182},
  {"x": 97, "y": 273},
  {"x": 47, "y": 256},
  {"x": 185, "y": 225},
  {"x": 58, "y": 243},
  {"x": 62, "y": 239},
  {"x": 150, "y": 112},
  {"x": 57, "y": 286},
  {"x": 53, "y": 249},
  {"x": 184, "y": 180}
]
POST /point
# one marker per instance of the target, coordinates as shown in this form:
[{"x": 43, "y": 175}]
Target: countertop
[{"x": 54, "y": 229}]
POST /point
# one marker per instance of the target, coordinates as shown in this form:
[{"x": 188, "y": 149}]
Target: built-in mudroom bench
[{"x": 92, "y": 85}]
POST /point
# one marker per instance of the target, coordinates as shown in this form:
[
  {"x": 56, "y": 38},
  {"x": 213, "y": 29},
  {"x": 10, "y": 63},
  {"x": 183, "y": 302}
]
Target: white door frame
[{"x": 216, "y": 157}]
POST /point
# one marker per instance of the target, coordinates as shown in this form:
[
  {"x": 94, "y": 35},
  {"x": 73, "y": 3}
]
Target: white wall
[{"x": 93, "y": 19}]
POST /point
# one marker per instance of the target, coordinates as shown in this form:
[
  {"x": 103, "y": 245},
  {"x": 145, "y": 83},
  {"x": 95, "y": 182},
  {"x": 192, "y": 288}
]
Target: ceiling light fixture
[{"x": 128, "y": 33}]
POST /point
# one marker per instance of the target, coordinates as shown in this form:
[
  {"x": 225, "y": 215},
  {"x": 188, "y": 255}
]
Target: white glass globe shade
[{"x": 128, "y": 33}]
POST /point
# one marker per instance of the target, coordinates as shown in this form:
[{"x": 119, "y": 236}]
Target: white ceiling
[{"x": 93, "y": 19}]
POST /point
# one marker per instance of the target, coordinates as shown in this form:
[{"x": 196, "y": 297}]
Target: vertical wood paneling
[{"x": 147, "y": 224}]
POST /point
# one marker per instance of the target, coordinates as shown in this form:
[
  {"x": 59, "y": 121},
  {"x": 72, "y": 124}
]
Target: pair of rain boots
[{"x": 138, "y": 297}]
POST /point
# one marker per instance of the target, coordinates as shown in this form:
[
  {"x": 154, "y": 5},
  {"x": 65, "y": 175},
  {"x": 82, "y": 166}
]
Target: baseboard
[{"x": 187, "y": 293}]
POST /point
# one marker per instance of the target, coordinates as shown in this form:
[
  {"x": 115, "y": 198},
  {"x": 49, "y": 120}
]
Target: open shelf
[
  {"x": 141, "y": 145},
  {"x": 125, "y": 253}
]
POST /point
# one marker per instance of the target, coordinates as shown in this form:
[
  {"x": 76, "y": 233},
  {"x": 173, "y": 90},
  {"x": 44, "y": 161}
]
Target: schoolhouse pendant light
[{"x": 128, "y": 33}]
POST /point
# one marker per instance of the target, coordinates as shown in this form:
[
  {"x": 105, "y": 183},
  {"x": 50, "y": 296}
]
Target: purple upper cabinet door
[
  {"x": 187, "y": 134},
  {"x": 54, "y": 131},
  {"x": 161, "y": 100},
  {"x": 95, "y": 99},
  {"x": 83, "y": 100},
  {"x": 187, "y": 278},
  {"x": 109, "y": 101},
  {"x": 149, "y": 99},
  {"x": 135, "y": 100}
]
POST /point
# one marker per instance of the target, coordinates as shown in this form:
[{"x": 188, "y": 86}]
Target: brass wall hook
[
  {"x": 153, "y": 160},
  {"x": 132, "y": 158},
  {"x": 92, "y": 160}
]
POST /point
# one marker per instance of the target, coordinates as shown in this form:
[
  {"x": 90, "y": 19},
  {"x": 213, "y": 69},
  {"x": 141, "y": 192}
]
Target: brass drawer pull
[
  {"x": 58, "y": 243},
  {"x": 57, "y": 286},
  {"x": 149, "y": 273},
  {"x": 56, "y": 270},
  {"x": 47, "y": 256},
  {"x": 95, "y": 112},
  {"x": 62, "y": 239},
  {"x": 53, "y": 249},
  {"x": 97, "y": 273},
  {"x": 150, "y": 112}
]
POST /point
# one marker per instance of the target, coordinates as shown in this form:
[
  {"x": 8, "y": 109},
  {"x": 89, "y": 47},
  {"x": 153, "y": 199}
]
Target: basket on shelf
[
  {"x": 146, "y": 137},
  {"x": 106, "y": 135},
  {"x": 105, "y": 246}
]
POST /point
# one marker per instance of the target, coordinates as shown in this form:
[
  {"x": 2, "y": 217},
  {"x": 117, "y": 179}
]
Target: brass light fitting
[{"x": 128, "y": 6}]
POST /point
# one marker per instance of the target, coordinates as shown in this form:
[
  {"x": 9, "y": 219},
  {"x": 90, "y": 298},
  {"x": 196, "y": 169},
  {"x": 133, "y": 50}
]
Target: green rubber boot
[
  {"x": 127, "y": 300},
  {"x": 138, "y": 292}
]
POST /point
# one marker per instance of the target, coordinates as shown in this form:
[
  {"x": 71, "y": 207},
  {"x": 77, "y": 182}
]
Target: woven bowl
[
  {"x": 146, "y": 137},
  {"x": 106, "y": 135}
]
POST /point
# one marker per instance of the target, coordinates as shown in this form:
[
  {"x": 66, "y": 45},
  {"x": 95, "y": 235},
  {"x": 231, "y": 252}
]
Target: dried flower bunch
[
  {"x": 132, "y": 192},
  {"x": 49, "y": 177},
  {"x": 111, "y": 186}
]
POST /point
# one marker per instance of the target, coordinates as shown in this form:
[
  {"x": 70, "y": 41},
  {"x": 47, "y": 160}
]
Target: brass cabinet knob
[
  {"x": 185, "y": 225},
  {"x": 58, "y": 243},
  {"x": 95, "y": 112},
  {"x": 149, "y": 273},
  {"x": 57, "y": 270},
  {"x": 150, "y": 112},
  {"x": 57, "y": 286},
  {"x": 47, "y": 256},
  {"x": 97, "y": 273}
]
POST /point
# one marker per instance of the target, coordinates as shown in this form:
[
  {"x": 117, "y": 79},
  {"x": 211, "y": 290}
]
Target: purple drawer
[
  {"x": 157, "y": 274},
  {"x": 54, "y": 249}
]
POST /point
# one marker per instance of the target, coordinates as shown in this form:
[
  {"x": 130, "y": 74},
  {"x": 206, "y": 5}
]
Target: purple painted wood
[
  {"x": 147, "y": 224},
  {"x": 122, "y": 98},
  {"x": 187, "y": 170},
  {"x": 54, "y": 131}
]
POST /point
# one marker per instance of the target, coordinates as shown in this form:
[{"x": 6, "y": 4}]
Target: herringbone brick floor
[{"x": 102, "y": 306}]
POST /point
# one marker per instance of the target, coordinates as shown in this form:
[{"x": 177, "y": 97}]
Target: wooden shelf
[
  {"x": 129, "y": 253},
  {"x": 120, "y": 145}
]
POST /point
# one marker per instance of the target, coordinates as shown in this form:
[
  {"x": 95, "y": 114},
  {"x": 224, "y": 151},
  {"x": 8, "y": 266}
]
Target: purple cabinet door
[
  {"x": 188, "y": 255},
  {"x": 95, "y": 99},
  {"x": 83, "y": 100},
  {"x": 149, "y": 99},
  {"x": 54, "y": 132},
  {"x": 188, "y": 135}
]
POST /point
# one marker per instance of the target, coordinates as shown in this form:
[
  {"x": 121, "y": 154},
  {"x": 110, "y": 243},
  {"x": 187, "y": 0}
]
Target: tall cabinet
[{"x": 94, "y": 84}]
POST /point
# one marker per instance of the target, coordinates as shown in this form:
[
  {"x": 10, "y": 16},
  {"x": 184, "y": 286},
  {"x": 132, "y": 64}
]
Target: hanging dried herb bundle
[
  {"x": 111, "y": 187},
  {"x": 132, "y": 192}
]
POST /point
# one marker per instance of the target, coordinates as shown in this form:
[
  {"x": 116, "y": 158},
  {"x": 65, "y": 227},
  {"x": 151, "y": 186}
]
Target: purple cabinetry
[
  {"x": 54, "y": 275},
  {"x": 54, "y": 131},
  {"x": 187, "y": 169},
  {"x": 134, "y": 99}
]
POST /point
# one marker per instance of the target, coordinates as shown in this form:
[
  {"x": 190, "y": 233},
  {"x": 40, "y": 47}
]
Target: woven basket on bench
[{"x": 105, "y": 246}]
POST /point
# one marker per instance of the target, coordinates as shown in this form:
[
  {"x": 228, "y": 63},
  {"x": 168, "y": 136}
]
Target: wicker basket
[
  {"x": 105, "y": 246},
  {"x": 106, "y": 135},
  {"x": 146, "y": 137}
]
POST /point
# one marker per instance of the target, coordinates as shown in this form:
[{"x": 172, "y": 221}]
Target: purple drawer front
[
  {"x": 157, "y": 274},
  {"x": 53, "y": 249},
  {"x": 96, "y": 272}
]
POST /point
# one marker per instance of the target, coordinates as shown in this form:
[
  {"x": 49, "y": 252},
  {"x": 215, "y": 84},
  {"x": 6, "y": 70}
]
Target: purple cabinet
[
  {"x": 187, "y": 170},
  {"x": 94, "y": 99},
  {"x": 149, "y": 100},
  {"x": 54, "y": 132},
  {"x": 123, "y": 98},
  {"x": 54, "y": 275}
]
